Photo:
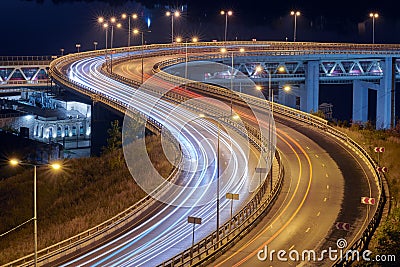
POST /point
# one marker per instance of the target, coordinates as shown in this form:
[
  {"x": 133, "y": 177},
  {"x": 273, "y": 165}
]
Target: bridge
[
  {"x": 303, "y": 66},
  {"x": 309, "y": 150},
  {"x": 26, "y": 71}
]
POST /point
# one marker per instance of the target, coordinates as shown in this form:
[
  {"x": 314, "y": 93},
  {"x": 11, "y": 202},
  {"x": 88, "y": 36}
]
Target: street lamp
[
  {"x": 295, "y": 14},
  {"x": 113, "y": 21},
  {"x": 78, "y": 46},
  {"x": 133, "y": 16},
  {"x": 62, "y": 51},
  {"x": 172, "y": 15},
  {"x": 136, "y": 31},
  {"x": 55, "y": 166},
  {"x": 218, "y": 124},
  {"x": 226, "y": 13},
  {"x": 95, "y": 45},
  {"x": 373, "y": 16},
  {"x": 179, "y": 40},
  {"x": 223, "y": 51}
]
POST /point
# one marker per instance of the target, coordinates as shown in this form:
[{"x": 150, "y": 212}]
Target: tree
[{"x": 114, "y": 142}]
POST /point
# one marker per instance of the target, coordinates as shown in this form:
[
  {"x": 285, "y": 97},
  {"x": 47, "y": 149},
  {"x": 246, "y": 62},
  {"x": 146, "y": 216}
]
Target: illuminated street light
[
  {"x": 226, "y": 13},
  {"x": 295, "y": 14},
  {"x": 214, "y": 120},
  {"x": 78, "y": 46},
  {"x": 133, "y": 16},
  {"x": 95, "y": 45},
  {"x": 172, "y": 15},
  {"x": 287, "y": 88},
  {"x": 223, "y": 51},
  {"x": 136, "y": 31},
  {"x": 55, "y": 166},
  {"x": 373, "y": 16}
]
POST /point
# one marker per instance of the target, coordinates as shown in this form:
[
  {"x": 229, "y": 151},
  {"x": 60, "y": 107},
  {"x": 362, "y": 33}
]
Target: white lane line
[
  {"x": 326, "y": 175},
  {"x": 307, "y": 147},
  {"x": 327, "y": 186},
  {"x": 308, "y": 229},
  {"x": 316, "y": 156},
  {"x": 291, "y": 247},
  {"x": 319, "y": 213},
  {"x": 325, "y": 199}
]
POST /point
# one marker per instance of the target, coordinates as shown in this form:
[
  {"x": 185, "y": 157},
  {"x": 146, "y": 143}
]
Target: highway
[
  {"x": 166, "y": 232},
  {"x": 323, "y": 184}
]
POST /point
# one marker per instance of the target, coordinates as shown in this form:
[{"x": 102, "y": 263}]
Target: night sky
[{"x": 42, "y": 27}]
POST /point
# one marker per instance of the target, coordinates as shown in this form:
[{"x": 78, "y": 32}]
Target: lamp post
[
  {"x": 226, "y": 13},
  {"x": 133, "y": 16},
  {"x": 179, "y": 40},
  {"x": 113, "y": 21},
  {"x": 373, "y": 16},
  {"x": 95, "y": 45},
  {"x": 136, "y": 31},
  {"x": 172, "y": 15},
  {"x": 295, "y": 14},
  {"x": 78, "y": 46},
  {"x": 218, "y": 124},
  {"x": 62, "y": 51},
  {"x": 55, "y": 166},
  {"x": 104, "y": 24},
  {"x": 223, "y": 51}
]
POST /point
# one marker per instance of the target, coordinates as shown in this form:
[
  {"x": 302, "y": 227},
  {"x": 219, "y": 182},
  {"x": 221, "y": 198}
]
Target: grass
[
  {"x": 85, "y": 193},
  {"x": 386, "y": 239}
]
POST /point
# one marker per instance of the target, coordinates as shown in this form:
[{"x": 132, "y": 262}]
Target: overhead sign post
[{"x": 194, "y": 221}]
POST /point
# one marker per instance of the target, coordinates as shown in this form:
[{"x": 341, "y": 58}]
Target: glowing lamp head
[
  {"x": 124, "y": 16},
  {"x": 259, "y": 88},
  {"x": 195, "y": 39},
  {"x": 230, "y": 13},
  {"x": 119, "y": 25},
  {"x": 100, "y": 19},
  {"x": 241, "y": 50},
  {"x": 201, "y": 115},
  {"x": 223, "y": 50},
  {"x": 281, "y": 69},
  {"x": 222, "y": 12},
  {"x": 105, "y": 25},
  {"x": 178, "y": 39},
  {"x": 113, "y": 20},
  {"x": 258, "y": 69},
  {"x": 135, "y": 31},
  {"x": 236, "y": 117},
  {"x": 14, "y": 162},
  {"x": 287, "y": 88},
  {"x": 134, "y": 16},
  {"x": 177, "y": 13},
  {"x": 55, "y": 166}
]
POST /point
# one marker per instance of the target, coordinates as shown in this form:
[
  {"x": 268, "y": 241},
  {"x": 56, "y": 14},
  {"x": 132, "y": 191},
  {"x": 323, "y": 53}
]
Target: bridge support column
[
  {"x": 287, "y": 99},
  {"x": 360, "y": 100},
  {"x": 385, "y": 95},
  {"x": 312, "y": 85}
]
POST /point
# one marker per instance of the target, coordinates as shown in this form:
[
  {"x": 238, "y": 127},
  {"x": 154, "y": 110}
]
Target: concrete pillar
[
  {"x": 360, "y": 101},
  {"x": 312, "y": 85},
  {"x": 384, "y": 95}
]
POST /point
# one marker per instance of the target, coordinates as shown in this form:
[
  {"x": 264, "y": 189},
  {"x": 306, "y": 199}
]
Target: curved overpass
[{"x": 304, "y": 192}]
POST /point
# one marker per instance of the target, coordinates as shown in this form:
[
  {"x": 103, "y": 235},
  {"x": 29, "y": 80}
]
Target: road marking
[
  {"x": 307, "y": 147},
  {"x": 316, "y": 156},
  {"x": 325, "y": 199},
  {"x": 308, "y": 229},
  {"x": 291, "y": 247},
  {"x": 327, "y": 186},
  {"x": 326, "y": 175},
  {"x": 323, "y": 165},
  {"x": 310, "y": 176},
  {"x": 319, "y": 213}
]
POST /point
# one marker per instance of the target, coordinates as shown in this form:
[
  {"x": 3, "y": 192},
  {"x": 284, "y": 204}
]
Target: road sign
[
  {"x": 342, "y": 226},
  {"x": 368, "y": 200},
  {"x": 381, "y": 169},
  {"x": 232, "y": 196},
  {"x": 194, "y": 220},
  {"x": 379, "y": 149}
]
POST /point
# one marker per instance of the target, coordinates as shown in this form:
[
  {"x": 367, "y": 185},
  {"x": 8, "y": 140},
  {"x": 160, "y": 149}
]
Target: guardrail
[
  {"x": 321, "y": 124},
  {"x": 294, "y": 114}
]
